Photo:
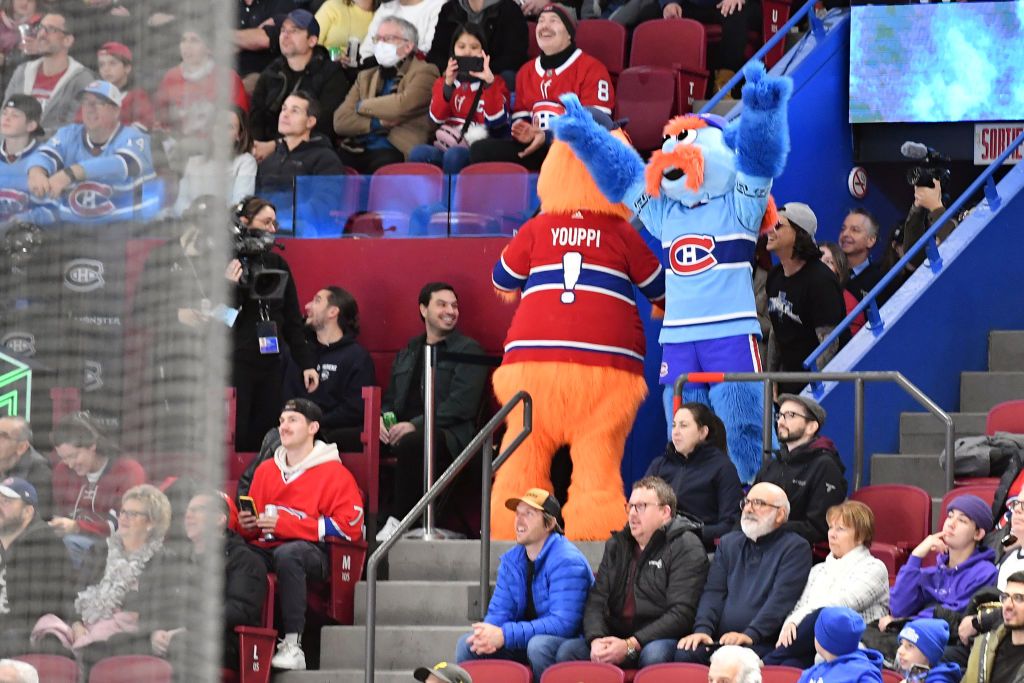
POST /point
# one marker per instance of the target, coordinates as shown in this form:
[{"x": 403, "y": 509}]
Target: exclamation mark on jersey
[{"x": 572, "y": 263}]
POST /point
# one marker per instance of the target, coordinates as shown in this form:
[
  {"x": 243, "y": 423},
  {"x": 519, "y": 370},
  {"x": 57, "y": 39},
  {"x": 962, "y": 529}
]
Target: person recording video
[{"x": 930, "y": 181}]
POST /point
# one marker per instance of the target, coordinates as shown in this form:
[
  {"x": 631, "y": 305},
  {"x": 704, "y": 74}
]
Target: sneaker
[
  {"x": 388, "y": 530},
  {"x": 289, "y": 656}
]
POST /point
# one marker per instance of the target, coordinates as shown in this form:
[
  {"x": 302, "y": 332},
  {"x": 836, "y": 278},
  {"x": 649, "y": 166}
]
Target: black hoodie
[{"x": 345, "y": 368}]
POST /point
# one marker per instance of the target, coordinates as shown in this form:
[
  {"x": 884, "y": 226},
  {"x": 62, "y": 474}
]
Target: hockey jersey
[
  {"x": 492, "y": 110},
  {"x": 708, "y": 250},
  {"x": 116, "y": 174},
  {"x": 577, "y": 274},
  {"x": 538, "y": 89},
  {"x": 15, "y": 200}
]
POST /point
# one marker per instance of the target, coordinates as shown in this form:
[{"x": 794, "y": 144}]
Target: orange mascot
[{"x": 576, "y": 344}]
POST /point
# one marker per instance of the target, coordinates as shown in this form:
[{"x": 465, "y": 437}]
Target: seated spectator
[
  {"x": 736, "y": 18},
  {"x": 856, "y": 238},
  {"x": 804, "y": 299},
  {"x": 344, "y": 21},
  {"x": 467, "y": 106},
  {"x": 741, "y": 607},
  {"x": 539, "y": 595},
  {"x": 88, "y": 484},
  {"x": 807, "y": 467},
  {"x": 18, "y": 458},
  {"x": 504, "y": 31},
  {"x": 16, "y": 671},
  {"x": 998, "y": 656},
  {"x": 561, "y": 68},
  {"x": 202, "y": 169},
  {"x": 650, "y": 579},
  {"x": 298, "y": 151},
  {"x": 385, "y": 113},
  {"x": 837, "y": 634},
  {"x": 919, "y": 657},
  {"x": 55, "y": 79},
  {"x": 20, "y": 136},
  {"x": 305, "y": 495},
  {"x": 115, "y": 66},
  {"x": 697, "y": 468},
  {"x": 734, "y": 664},
  {"x": 833, "y": 257},
  {"x": 35, "y": 571},
  {"x": 421, "y": 14},
  {"x": 849, "y": 577},
  {"x": 303, "y": 65},
  {"x": 442, "y": 672}
]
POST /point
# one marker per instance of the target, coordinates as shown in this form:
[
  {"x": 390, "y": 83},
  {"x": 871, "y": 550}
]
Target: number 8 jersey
[{"x": 538, "y": 89}]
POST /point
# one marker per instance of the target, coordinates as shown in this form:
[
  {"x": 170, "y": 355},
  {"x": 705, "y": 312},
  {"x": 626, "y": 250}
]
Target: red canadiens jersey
[
  {"x": 492, "y": 110},
  {"x": 538, "y": 90},
  {"x": 577, "y": 275}
]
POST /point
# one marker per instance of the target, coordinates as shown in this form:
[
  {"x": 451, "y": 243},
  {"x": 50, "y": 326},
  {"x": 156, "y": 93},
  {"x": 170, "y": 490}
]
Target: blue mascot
[{"x": 705, "y": 196}]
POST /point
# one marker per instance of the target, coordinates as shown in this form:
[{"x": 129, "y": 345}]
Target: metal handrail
[
  {"x": 927, "y": 242},
  {"x": 484, "y": 437},
  {"x": 858, "y": 378}
]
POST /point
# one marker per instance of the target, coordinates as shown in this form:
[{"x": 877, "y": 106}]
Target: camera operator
[
  {"x": 930, "y": 199},
  {"x": 268, "y": 313}
]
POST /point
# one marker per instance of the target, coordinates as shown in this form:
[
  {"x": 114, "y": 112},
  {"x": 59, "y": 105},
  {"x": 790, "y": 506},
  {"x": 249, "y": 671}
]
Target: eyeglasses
[
  {"x": 132, "y": 514},
  {"x": 789, "y": 415},
  {"x": 1015, "y": 505},
  {"x": 640, "y": 507},
  {"x": 757, "y": 504},
  {"x": 1017, "y": 598},
  {"x": 393, "y": 40},
  {"x": 43, "y": 28}
]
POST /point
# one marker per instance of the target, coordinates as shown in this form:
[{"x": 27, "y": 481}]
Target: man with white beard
[{"x": 755, "y": 580}]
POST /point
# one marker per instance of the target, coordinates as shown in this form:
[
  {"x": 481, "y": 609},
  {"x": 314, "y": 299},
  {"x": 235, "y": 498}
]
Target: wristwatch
[{"x": 632, "y": 652}]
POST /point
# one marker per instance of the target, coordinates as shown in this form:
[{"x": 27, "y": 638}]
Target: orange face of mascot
[{"x": 576, "y": 345}]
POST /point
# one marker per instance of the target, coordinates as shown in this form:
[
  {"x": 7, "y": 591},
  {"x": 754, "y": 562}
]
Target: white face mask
[{"x": 386, "y": 54}]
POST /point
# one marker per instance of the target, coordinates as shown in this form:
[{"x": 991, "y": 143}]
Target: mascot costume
[
  {"x": 705, "y": 196},
  {"x": 576, "y": 342}
]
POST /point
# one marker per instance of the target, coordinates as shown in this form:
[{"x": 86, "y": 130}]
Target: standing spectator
[
  {"x": 998, "y": 656},
  {"x": 832, "y": 256},
  {"x": 807, "y": 467},
  {"x": 299, "y": 151},
  {"x": 735, "y": 17},
  {"x": 922, "y": 643},
  {"x": 479, "y": 97},
  {"x": 385, "y": 113},
  {"x": 342, "y": 21},
  {"x": 837, "y": 634},
  {"x": 734, "y": 664},
  {"x": 422, "y": 14},
  {"x": 856, "y": 238},
  {"x": 256, "y": 35},
  {"x": 540, "y": 592},
  {"x": 202, "y": 170},
  {"x": 650, "y": 579},
  {"x": 928, "y": 207},
  {"x": 804, "y": 299},
  {"x": 503, "y": 27},
  {"x": 700, "y": 472},
  {"x": 115, "y": 66},
  {"x": 19, "y": 459},
  {"x": 741, "y": 607},
  {"x": 561, "y": 68},
  {"x": 19, "y": 152},
  {"x": 55, "y": 78}
]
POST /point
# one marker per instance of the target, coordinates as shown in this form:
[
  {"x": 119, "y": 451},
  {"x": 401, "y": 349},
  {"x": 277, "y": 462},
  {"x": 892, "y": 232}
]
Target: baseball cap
[
  {"x": 566, "y": 14},
  {"x": 539, "y": 499},
  {"x": 809, "y": 404},
  {"x": 115, "y": 49},
  {"x": 30, "y": 107},
  {"x": 16, "y": 487},
  {"x": 304, "y": 407},
  {"x": 801, "y": 216},
  {"x": 451, "y": 673},
  {"x": 304, "y": 20},
  {"x": 106, "y": 90},
  {"x": 838, "y": 630}
]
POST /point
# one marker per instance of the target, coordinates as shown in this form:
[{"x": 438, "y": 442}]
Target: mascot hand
[
  {"x": 763, "y": 92},
  {"x": 761, "y": 140},
  {"x": 576, "y": 124}
]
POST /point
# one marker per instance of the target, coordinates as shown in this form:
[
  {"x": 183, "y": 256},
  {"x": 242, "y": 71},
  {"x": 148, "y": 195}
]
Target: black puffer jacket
[{"x": 312, "y": 157}]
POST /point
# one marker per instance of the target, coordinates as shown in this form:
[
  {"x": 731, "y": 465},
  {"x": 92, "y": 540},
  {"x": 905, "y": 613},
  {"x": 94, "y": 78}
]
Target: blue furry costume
[{"x": 704, "y": 195}]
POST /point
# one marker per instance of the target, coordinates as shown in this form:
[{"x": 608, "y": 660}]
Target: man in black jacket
[
  {"x": 807, "y": 467},
  {"x": 299, "y": 151},
  {"x": 648, "y": 585},
  {"x": 19, "y": 459}
]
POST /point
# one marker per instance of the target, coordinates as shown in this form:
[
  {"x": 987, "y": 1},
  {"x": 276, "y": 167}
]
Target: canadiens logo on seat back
[
  {"x": 91, "y": 200},
  {"x": 692, "y": 254},
  {"x": 12, "y": 202}
]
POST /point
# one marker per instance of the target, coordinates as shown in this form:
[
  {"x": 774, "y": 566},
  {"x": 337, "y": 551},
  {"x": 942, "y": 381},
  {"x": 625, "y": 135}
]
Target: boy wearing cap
[
  {"x": 805, "y": 300},
  {"x": 20, "y": 132},
  {"x": 114, "y": 63},
  {"x": 540, "y": 592},
  {"x": 836, "y": 638},
  {"x": 919, "y": 657},
  {"x": 442, "y": 672},
  {"x": 311, "y": 496}
]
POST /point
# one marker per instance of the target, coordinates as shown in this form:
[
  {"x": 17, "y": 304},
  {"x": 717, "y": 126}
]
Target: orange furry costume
[{"x": 575, "y": 344}]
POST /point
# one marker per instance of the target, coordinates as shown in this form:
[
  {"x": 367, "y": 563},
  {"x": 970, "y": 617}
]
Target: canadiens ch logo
[
  {"x": 91, "y": 200},
  {"x": 20, "y": 343},
  {"x": 692, "y": 254},
  {"x": 12, "y": 202},
  {"x": 83, "y": 275},
  {"x": 93, "y": 375}
]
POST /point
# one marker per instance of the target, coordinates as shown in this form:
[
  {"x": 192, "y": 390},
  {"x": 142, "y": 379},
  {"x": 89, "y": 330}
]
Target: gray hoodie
[{"x": 59, "y": 110}]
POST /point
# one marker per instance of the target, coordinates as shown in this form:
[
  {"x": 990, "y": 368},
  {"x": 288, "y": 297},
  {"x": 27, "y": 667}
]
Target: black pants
[
  {"x": 294, "y": 562},
  {"x": 257, "y": 401},
  {"x": 734, "y": 29},
  {"x": 506, "y": 149},
  {"x": 369, "y": 161},
  {"x": 407, "y": 487},
  {"x": 800, "y": 653}
]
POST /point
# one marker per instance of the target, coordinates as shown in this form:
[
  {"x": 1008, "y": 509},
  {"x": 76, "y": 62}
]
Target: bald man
[{"x": 755, "y": 580}]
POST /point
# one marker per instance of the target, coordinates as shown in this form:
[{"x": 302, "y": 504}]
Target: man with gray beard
[{"x": 755, "y": 580}]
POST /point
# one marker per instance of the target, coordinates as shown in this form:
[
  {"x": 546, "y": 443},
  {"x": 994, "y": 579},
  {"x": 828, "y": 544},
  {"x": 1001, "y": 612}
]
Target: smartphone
[
  {"x": 917, "y": 673},
  {"x": 1008, "y": 540},
  {"x": 468, "y": 65},
  {"x": 247, "y": 504}
]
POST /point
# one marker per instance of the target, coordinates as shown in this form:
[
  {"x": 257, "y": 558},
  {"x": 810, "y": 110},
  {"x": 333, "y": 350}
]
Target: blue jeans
[
  {"x": 539, "y": 654},
  {"x": 451, "y": 161},
  {"x": 654, "y": 652}
]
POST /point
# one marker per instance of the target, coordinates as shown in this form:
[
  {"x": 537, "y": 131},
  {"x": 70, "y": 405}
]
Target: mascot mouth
[{"x": 673, "y": 174}]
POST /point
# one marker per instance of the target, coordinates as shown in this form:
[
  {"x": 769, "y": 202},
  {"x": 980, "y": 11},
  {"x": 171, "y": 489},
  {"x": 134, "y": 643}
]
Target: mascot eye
[{"x": 687, "y": 137}]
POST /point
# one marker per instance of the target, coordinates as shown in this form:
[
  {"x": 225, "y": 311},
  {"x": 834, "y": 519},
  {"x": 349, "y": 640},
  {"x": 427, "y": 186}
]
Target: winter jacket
[
  {"x": 504, "y": 27},
  {"x": 860, "y": 666},
  {"x": 856, "y": 580},
  {"x": 60, "y": 108},
  {"x": 706, "y": 486},
  {"x": 315, "y": 156},
  {"x": 458, "y": 387},
  {"x": 753, "y": 585},
  {"x": 345, "y": 367},
  {"x": 944, "y": 672},
  {"x": 561, "y": 579},
  {"x": 35, "y": 469},
  {"x": 99, "y": 515},
  {"x": 669, "y": 577},
  {"x": 813, "y": 478},
  {"x": 919, "y": 591},
  {"x": 983, "y": 656},
  {"x": 322, "y": 78}
]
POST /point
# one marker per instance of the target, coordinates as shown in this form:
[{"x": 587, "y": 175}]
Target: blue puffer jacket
[
  {"x": 860, "y": 666},
  {"x": 561, "y": 580}
]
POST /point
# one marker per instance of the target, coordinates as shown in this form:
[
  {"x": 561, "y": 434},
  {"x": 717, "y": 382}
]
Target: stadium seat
[
  {"x": 131, "y": 669},
  {"x": 256, "y": 643},
  {"x": 890, "y": 676},
  {"x": 672, "y": 673},
  {"x": 987, "y": 492},
  {"x": 53, "y": 668},
  {"x": 903, "y": 517},
  {"x": 491, "y": 198},
  {"x": 497, "y": 671},
  {"x": 532, "y": 49},
  {"x": 646, "y": 97},
  {"x": 591, "y": 672},
  {"x": 605, "y": 40},
  {"x": 774, "y": 13},
  {"x": 1006, "y": 417},
  {"x": 402, "y": 197},
  {"x": 780, "y": 674},
  {"x": 345, "y": 191},
  {"x": 677, "y": 44}
]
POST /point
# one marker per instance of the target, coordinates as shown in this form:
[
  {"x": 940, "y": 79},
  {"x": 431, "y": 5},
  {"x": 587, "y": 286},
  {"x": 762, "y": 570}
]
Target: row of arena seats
[{"x": 121, "y": 669}]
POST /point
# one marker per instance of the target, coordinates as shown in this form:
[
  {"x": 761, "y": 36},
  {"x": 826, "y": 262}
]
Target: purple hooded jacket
[{"x": 918, "y": 591}]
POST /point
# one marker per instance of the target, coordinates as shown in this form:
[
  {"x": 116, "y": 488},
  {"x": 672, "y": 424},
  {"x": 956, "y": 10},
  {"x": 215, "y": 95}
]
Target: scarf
[{"x": 120, "y": 577}]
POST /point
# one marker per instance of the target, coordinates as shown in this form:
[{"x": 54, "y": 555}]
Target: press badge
[{"x": 266, "y": 331}]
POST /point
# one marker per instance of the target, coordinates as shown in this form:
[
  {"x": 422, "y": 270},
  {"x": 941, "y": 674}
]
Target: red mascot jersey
[
  {"x": 578, "y": 303},
  {"x": 538, "y": 89}
]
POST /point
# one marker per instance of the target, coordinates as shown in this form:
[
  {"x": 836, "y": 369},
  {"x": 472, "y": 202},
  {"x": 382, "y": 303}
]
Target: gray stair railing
[
  {"x": 482, "y": 443},
  {"x": 858, "y": 379}
]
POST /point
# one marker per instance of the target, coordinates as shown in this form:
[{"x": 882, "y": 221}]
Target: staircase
[
  {"x": 424, "y": 608},
  {"x": 922, "y": 436}
]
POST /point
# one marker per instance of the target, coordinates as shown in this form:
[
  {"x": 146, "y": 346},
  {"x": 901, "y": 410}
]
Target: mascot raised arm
[
  {"x": 705, "y": 195},
  {"x": 576, "y": 342}
]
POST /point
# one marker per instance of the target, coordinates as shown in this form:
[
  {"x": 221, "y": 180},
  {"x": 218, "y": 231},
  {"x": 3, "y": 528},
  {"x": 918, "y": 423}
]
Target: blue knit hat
[
  {"x": 976, "y": 510},
  {"x": 929, "y": 635},
  {"x": 838, "y": 630}
]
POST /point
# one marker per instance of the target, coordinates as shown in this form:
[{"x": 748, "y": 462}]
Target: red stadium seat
[
  {"x": 1006, "y": 417},
  {"x": 774, "y": 13},
  {"x": 397, "y": 191},
  {"x": 903, "y": 517},
  {"x": 497, "y": 671},
  {"x": 890, "y": 676},
  {"x": 53, "y": 668},
  {"x": 491, "y": 198},
  {"x": 591, "y": 672},
  {"x": 673, "y": 673},
  {"x": 646, "y": 97},
  {"x": 677, "y": 44},
  {"x": 131, "y": 669},
  {"x": 780, "y": 674},
  {"x": 256, "y": 643},
  {"x": 987, "y": 492},
  {"x": 605, "y": 40}
]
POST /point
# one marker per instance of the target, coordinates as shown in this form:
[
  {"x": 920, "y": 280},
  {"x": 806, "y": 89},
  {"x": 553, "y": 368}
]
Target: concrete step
[
  {"x": 397, "y": 648},
  {"x": 924, "y": 433},
  {"x": 457, "y": 560},
  {"x": 1006, "y": 350},
  {"x": 347, "y": 675},
  {"x": 903, "y": 468},
  {"x": 420, "y": 603},
  {"x": 979, "y": 391}
]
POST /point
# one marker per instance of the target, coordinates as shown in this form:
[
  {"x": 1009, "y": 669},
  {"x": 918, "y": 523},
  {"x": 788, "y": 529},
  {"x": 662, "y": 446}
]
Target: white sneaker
[
  {"x": 289, "y": 656},
  {"x": 388, "y": 530}
]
